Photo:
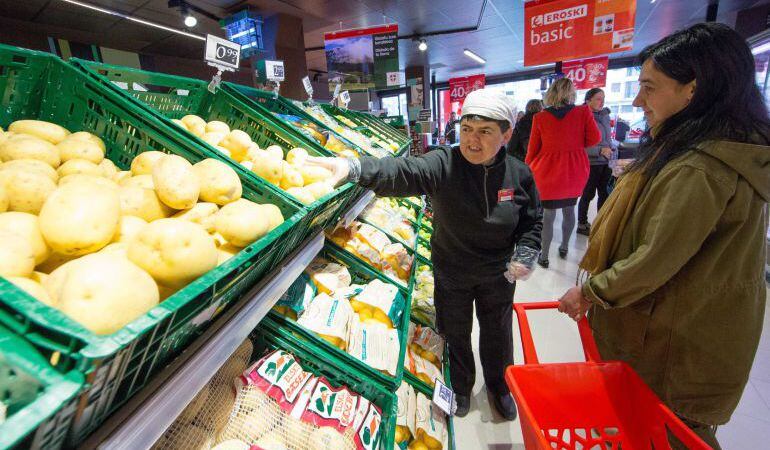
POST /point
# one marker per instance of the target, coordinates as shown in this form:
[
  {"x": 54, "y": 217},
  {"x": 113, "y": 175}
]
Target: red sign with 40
[
  {"x": 587, "y": 73},
  {"x": 460, "y": 87}
]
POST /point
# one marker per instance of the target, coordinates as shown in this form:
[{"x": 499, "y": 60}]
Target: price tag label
[
  {"x": 308, "y": 86},
  {"x": 222, "y": 53},
  {"x": 444, "y": 398},
  {"x": 345, "y": 97},
  {"x": 274, "y": 70},
  {"x": 337, "y": 91}
]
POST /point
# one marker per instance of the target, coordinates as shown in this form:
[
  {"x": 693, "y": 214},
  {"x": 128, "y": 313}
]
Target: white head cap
[{"x": 492, "y": 104}]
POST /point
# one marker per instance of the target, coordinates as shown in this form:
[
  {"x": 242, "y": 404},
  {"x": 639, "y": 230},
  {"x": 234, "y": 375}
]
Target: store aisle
[{"x": 557, "y": 340}]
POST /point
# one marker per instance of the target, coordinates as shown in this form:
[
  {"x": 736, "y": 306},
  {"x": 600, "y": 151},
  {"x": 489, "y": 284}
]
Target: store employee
[{"x": 487, "y": 222}]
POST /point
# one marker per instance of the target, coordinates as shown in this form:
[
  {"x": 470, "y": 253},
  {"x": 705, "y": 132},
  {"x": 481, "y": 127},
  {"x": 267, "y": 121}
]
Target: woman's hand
[
  {"x": 606, "y": 152},
  {"x": 574, "y": 304},
  {"x": 339, "y": 167}
]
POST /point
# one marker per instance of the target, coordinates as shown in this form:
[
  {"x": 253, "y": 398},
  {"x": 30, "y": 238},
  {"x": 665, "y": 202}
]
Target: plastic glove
[
  {"x": 339, "y": 167},
  {"x": 522, "y": 264}
]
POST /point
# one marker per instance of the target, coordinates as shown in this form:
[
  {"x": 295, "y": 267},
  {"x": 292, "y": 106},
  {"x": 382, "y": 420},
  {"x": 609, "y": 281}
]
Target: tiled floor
[{"x": 556, "y": 339}]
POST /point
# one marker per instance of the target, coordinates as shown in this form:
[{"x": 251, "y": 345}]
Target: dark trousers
[
  {"x": 707, "y": 433},
  {"x": 598, "y": 180},
  {"x": 454, "y": 320}
]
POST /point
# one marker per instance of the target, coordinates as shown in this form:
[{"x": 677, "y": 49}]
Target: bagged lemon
[{"x": 329, "y": 318}]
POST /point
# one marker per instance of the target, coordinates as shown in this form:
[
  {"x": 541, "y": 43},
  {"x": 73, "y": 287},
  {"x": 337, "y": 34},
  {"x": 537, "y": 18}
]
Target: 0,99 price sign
[{"x": 222, "y": 53}]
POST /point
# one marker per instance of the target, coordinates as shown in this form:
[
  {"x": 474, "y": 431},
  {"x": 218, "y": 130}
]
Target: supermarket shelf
[
  {"x": 141, "y": 427},
  {"x": 356, "y": 209}
]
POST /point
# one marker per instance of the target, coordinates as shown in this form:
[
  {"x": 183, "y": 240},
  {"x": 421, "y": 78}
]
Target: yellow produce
[
  {"x": 52, "y": 263},
  {"x": 274, "y": 215},
  {"x": 27, "y": 227},
  {"x": 79, "y": 166},
  {"x": 248, "y": 164},
  {"x": 202, "y": 214},
  {"x": 32, "y": 288},
  {"x": 98, "y": 181},
  {"x": 16, "y": 256},
  {"x": 86, "y": 136},
  {"x": 296, "y": 156},
  {"x": 314, "y": 174},
  {"x": 29, "y": 147},
  {"x": 31, "y": 165},
  {"x": 242, "y": 222},
  {"x": 77, "y": 219},
  {"x": 327, "y": 438},
  {"x": 121, "y": 177},
  {"x": 402, "y": 434},
  {"x": 198, "y": 130},
  {"x": 418, "y": 445},
  {"x": 173, "y": 251},
  {"x": 291, "y": 177},
  {"x": 269, "y": 168},
  {"x": 105, "y": 291},
  {"x": 143, "y": 181},
  {"x": 275, "y": 151},
  {"x": 334, "y": 340},
  {"x": 180, "y": 123},
  {"x": 213, "y": 138},
  {"x": 175, "y": 182},
  {"x": 58, "y": 276},
  {"x": 237, "y": 143},
  {"x": 26, "y": 191},
  {"x": 191, "y": 120},
  {"x": 253, "y": 152},
  {"x": 218, "y": 182},
  {"x": 225, "y": 252},
  {"x": 223, "y": 151},
  {"x": 109, "y": 169},
  {"x": 128, "y": 228},
  {"x": 142, "y": 164},
  {"x": 81, "y": 148},
  {"x": 44, "y": 130},
  {"x": 319, "y": 189},
  {"x": 3, "y": 199},
  {"x": 217, "y": 126},
  {"x": 301, "y": 194}
]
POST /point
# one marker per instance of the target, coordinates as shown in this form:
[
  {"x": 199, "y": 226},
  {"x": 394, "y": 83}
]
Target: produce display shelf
[
  {"x": 140, "y": 423},
  {"x": 371, "y": 125}
]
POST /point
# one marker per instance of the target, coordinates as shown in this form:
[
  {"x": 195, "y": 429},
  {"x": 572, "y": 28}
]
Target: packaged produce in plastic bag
[
  {"x": 328, "y": 276},
  {"x": 428, "y": 344},
  {"x": 371, "y": 236},
  {"x": 364, "y": 251},
  {"x": 423, "y": 369},
  {"x": 405, "y": 421},
  {"x": 396, "y": 262},
  {"x": 328, "y": 317},
  {"x": 379, "y": 301},
  {"x": 431, "y": 425},
  {"x": 374, "y": 344},
  {"x": 422, "y": 297},
  {"x": 297, "y": 298}
]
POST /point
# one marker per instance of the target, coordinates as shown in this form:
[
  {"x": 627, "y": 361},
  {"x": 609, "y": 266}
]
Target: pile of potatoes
[
  {"x": 102, "y": 245},
  {"x": 305, "y": 182}
]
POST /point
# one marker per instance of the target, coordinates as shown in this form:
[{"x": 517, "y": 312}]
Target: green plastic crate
[
  {"x": 172, "y": 97},
  {"x": 371, "y": 125},
  {"x": 40, "y": 401},
  {"x": 40, "y": 86},
  {"x": 268, "y": 337},
  {"x": 360, "y": 274}
]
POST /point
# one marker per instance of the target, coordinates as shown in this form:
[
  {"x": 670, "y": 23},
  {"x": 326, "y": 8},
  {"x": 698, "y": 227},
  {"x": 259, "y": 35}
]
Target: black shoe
[
  {"x": 505, "y": 405},
  {"x": 584, "y": 229},
  {"x": 543, "y": 263},
  {"x": 563, "y": 253},
  {"x": 463, "y": 405}
]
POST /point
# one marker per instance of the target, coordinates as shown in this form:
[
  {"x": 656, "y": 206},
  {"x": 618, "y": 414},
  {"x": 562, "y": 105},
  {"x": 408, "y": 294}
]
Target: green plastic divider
[
  {"x": 172, "y": 97},
  {"x": 40, "y": 401},
  {"x": 269, "y": 336},
  {"x": 360, "y": 274},
  {"x": 37, "y": 85}
]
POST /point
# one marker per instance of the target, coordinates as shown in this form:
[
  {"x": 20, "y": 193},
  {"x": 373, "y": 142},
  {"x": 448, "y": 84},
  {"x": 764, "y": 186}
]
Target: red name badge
[{"x": 504, "y": 195}]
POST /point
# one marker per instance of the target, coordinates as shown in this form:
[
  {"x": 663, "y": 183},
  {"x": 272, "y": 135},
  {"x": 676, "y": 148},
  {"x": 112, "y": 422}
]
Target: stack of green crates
[
  {"x": 36, "y": 85},
  {"x": 173, "y": 97}
]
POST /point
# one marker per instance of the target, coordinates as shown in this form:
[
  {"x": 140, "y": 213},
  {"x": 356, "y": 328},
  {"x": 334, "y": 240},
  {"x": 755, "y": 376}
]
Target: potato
[
  {"x": 219, "y": 240},
  {"x": 275, "y": 152},
  {"x": 142, "y": 164},
  {"x": 109, "y": 169},
  {"x": 198, "y": 130},
  {"x": 3, "y": 199},
  {"x": 180, "y": 123},
  {"x": 319, "y": 189},
  {"x": 27, "y": 227},
  {"x": 44, "y": 130},
  {"x": 202, "y": 214},
  {"x": 119, "y": 248},
  {"x": 213, "y": 138},
  {"x": 32, "y": 288},
  {"x": 232, "y": 444},
  {"x": 175, "y": 252},
  {"x": 274, "y": 215},
  {"x": 223, "y": 151},
  {"x": 143, "y": 181},
  {"x": 105, "y": 291},
  {"x": 314, "y": 174},
  {"x": 128, "y": 228},
  {"x": 97, "y": 181},
  {"x": 27, "y": 191},
  {"x": 52, "y": 263},
  {"x": 191, "y": 120},
  {"x": 253, "y": 152},
  {"x": 242, "y": 222},
  {"x": 175, "y": 182},
  {"x": 143, "y": 203},
  {"x": 291, "y": 177},
  {"x": 296, "y": 156},
  {"x": 249, "y": 165},
  {"x": 301, "y": 194},
  {"x": 86, "y": 136},
  {"x": 81, "y": 149},
  {"x": 30, "y": 147},
  {"x": 218, "y": 127},
  {"x": 31, "y": 165},
  {"x": 79, "y": 166},
  {"x": 16, "y": 256},
  {"x": 225, "y": 252},
  {"x": 269, "y": 168},
  {"x": 238, "y": 143},
  {"x": 218, "y": 182},
  {"x": 77, "y": 219},
  {"x": 121, "y": 177}
]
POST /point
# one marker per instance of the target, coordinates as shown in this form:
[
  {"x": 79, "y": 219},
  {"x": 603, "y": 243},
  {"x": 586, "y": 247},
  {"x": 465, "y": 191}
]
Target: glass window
[
  {"x": 626, "y": 108},
  {"x": 395, "y": 105},
  {"x": 615, "y": 88},
  {"x": 632, "y": 87}
]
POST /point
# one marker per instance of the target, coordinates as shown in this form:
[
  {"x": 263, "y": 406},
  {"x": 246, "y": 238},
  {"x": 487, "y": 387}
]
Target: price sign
[
  {"x": 444, "y": 398},
  {"x": 337, "y": 91},
  {"x": 587, "y": 73},
  {"x": 274, "y": 70},
  {"x": 345, "y": 97},
  {"x": 222, "y": 53},
  {"x": 460, "y": 87},
  {"x": 424, "y": 115},
  {"x": 308, "y": 86}
]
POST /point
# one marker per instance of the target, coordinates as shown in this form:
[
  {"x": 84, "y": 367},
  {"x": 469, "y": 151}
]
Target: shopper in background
[
  {"x": 621, "y": 130},
  {"x": 676, "y": 256},
  {"x": 599, "y": 156},
  {"x": 450, "y": 131},
  {"x": 557, "y": 156},
  {"x": 517, "y": 146},
  {"x": 519, "y": 115},
  {"x": 487, "y": 220}
]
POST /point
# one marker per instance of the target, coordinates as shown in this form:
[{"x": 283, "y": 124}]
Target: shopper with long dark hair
[
  {"x": 599, "y": 157},
  {"x": 676, "y": 256},
  {"x": 517, "y": 146}
]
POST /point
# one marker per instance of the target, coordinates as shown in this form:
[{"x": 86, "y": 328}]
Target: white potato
[
  {"x": 3, "y": 199},
  {"x": 291, "y": 177},
  {"x": 16, "y": 256},
  {"x": 98, "y": 181},
  {"x": 242, "y": 222},
  {"x": 143, "y": 203},
  {"x": 180, "y": 123},
  {"x": 202, "y": 214},
  {"x": 143, "y": 163},
  {"x": 31, "y": 165},
  {"x": 27, "y": 191},
  {"x": 217, "y": 126},
  {"x": 32, "y": 288},
  {"x": 109, "y": 169},
  {"x": 319, "y": 189},
  {"x": 225, "y": 252},
  {"x": 175, "y": 182},
  {"x": 218, "y": 182},
  {"x": 143, "y": 181},
  {"x": 122, "y": 176},
  {"x": 275, "y": 151},
  {"x": 86, "y": 136},
  {"x": 213, "y": 138},
  {"x": 81, "y": 148},
  {"x": 269, "y": 168},
  {"x": 48, "y": 131},
  {"x": 314, "y": 174},
  {"x": 29, "y": 147},
  {"x": 128, "y": 228},
  {"x": 297, "y": 156},
  {"x": 27, "y": 227},
  {"x": 301, "y": 194},
  {"x": 79, "y": 166},
  {"x": 238, "y": 143},
  {"x": 191, "y": 120},
  {"x": 274, "y": 215}
]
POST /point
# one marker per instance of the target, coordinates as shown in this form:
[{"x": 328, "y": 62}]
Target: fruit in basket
[
  {"x": 202, "y": 213},
  {"x": 319, "y": 189},
  {"x": 143, "y": 163},
  {"x": 3, "y": 199},
  {"x": 291, "y": 177},
  {"x": 26, "y": 190},
  {"x": 175, "y": 182},
  {"x": 194, "y": 124},
  {"x": 301, "y": 194},
  {"x": 143, "y": 203},
  {"x": 314, "y": 174},
  {"x": 24, "y": 146},
  {"x": 225, "y": 252},
  {"x": 16, "y": 256},
  {"x": 275, "y": 152},
  {"x": 242, "y": 222},
  {"x": 213, "y": 138},
  {"x": 86, "y": 136},
  {"x": 109, "y": 169},
  {"x": 31, "y": 165},
  {"x": 238, "y": 143},
  {"x": 296, "y": 156},
  {"x": 128, "y": 228},
  {"x": 143, "y": 181},
  {"x": 121, "y": 177},
  {"x": 269, "y": 168},
  {"x": 79, "y": 166},
  {"x": 98, "y": 181},
  {"x": 173, "y": 251},
  {"x": 77, "y": 219},
  {"x": 81, "y": 148},
  {"x": 50, "y": 132},
  {"x": 32, "y": 288},
  {"x": 216, "y": 126}
]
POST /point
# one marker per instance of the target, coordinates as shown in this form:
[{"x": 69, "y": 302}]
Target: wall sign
[
  {"x": 363, "y": 57},
  {"x": 587, "y": 73},
  {"x": 559, "y": 30}
]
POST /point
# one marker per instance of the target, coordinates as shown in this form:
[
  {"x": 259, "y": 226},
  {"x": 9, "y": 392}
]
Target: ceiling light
[
  {"x": 190, "y": 21},
  {"x": 423, "y": 45},
  {"x": 474, "y": 56}
]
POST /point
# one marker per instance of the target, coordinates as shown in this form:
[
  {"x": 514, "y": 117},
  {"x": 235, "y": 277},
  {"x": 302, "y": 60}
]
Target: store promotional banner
[
  {"x": 364, "y": 57},
  {"x": 587, "y": 73},
  {"x": 560, "y": 30},
  {"x": 460, "y": 87}
]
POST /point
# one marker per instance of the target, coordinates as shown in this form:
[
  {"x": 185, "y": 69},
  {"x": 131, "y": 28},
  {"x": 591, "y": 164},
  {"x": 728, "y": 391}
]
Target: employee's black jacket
[{"x": 474, "y": 234}]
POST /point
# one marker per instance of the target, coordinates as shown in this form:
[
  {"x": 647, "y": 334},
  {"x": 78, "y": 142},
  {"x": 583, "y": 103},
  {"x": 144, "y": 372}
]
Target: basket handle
[{"x": 530, "y": 354}]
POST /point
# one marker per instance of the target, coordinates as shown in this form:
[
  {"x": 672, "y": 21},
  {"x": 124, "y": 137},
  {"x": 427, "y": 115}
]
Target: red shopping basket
[{"x": 595, "y": 404}]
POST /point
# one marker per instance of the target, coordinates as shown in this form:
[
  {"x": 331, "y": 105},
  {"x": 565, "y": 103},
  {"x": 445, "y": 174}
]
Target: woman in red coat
[{"x": 557, "y": 157}]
